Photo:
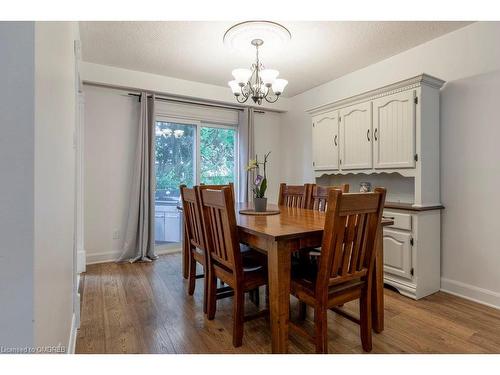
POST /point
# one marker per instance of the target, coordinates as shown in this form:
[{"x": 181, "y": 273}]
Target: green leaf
[{"x": 263, "y": 188}]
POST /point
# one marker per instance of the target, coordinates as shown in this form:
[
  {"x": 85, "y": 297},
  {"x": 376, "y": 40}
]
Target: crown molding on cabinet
[{"x": 422, "y": 79}]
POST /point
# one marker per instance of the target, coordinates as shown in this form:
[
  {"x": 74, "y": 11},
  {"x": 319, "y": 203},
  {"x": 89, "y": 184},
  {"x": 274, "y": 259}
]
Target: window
[
  {"x": 188, "y": 152},
  {"x": 218, "y": 155}
]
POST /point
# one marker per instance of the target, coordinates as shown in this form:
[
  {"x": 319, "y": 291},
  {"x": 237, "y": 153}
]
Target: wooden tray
[{"x": 255, "y": 213}]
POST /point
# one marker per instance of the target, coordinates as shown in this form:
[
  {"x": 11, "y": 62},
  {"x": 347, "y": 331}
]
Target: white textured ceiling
[{"x": 193, "y": 50}]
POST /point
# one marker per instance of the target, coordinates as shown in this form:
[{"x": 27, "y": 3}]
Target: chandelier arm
[
  {"x": 245, "y": 98},
  {"x": 270, "y": 100},
  {"x": 268, "y": 97}
]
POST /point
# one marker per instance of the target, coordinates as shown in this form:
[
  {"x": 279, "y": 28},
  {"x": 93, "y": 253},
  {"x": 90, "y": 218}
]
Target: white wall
[
  {"x": 470, "y": 175},
  {"x": 467, "y": 52},
  {"x": 17, "y": 176},
  {"x": 54, "y": 180},
  {"x": 111, "y": 128},
  {"x": 37, "y": 160}
]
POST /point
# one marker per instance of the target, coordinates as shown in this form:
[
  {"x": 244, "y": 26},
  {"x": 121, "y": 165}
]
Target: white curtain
[
  {"x": 246, "y": 143},
  {"x": 139, "y": 241}
]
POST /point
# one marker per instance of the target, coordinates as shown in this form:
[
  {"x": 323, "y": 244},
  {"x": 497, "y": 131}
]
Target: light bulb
[
  {"x": 268, "y": 76},
  {"x": 241, "y": 76},
  {"x": 235, "y": 87},
  {"x": 279, "y": 85}
]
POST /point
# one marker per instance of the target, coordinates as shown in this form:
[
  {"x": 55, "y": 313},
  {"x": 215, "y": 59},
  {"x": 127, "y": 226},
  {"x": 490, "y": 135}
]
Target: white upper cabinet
[
  {"x": 356, "y": 136},
  {"x": 326, "y": 141},
  {"x": 390, "y": 129},
  {"x": 394, "y": 130}
]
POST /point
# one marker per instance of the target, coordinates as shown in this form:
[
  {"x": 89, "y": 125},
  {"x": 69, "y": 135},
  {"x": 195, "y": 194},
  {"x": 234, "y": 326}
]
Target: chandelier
[{"x": 257, "y": 82}]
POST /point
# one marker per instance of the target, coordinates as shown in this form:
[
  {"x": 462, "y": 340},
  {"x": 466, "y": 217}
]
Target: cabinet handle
[
  {"x": 335, "y": 140},
  {"x": 388, "y": 217},
  {"x": 375, "y": 134},
  {"x": 368, "y": 135}
]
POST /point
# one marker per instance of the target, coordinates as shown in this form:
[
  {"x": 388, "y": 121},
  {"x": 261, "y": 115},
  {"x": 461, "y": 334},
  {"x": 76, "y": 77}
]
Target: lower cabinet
[
  {"x": 397, "y": 253},
  {"x": 412, "y": 252}
]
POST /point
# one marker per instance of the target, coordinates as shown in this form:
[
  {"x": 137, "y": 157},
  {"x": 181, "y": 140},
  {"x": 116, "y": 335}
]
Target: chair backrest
[
  {"x": 192, "y": 213},
  {"x": 319, "y": 196},
  {"x": 219, "y": 187},
  {"x": 193, "y": 223},
  {"x": 349, "y": 237},
  {"x": 294, "y": 195},
  {"x": 221, "y": 232}
]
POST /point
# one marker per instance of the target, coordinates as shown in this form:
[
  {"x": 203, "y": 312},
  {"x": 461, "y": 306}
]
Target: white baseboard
[
  {"x": 471, "y": 292},
  {"x": 112, "y": 256},
  {"x": 81, "y": 261},
  {"x": 72, "y": 336}
]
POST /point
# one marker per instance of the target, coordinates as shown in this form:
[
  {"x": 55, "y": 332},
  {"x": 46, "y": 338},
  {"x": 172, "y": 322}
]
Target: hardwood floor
[{"x": 145, "y": 308}]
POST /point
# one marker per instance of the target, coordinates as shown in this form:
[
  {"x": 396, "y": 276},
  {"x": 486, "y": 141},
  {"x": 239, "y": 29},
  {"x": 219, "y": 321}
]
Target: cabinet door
[
  {"x": 394, "y": 130},
  {"x": 356, "y": 137},
  {"x": 397, "y": 253},
  {"x": 325, "y": 141}
]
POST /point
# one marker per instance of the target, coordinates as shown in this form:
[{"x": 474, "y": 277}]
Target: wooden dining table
[{"x": 279, "y": 236}]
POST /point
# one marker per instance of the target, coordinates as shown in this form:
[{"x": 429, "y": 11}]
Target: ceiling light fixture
[{"x": 257, "y": 82}]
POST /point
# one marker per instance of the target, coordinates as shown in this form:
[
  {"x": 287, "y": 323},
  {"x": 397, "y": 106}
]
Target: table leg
[
  {"x": 279, "y": 263},
  {"x": 378, "y": 286}
]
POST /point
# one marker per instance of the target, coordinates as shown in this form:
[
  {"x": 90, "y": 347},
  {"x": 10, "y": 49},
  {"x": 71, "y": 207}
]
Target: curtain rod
[
  {"x": 180, "y": 100},
  {"x": 135, "y": 92}
]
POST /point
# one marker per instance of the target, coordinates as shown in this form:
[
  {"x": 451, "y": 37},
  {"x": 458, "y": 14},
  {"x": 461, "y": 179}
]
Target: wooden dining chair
[
  {"x": 254, "y": 294},
  {"x": 195, "y": 237},
  {"x": 346, "y": 265},
  {"x": 225, "y": 260},
  {"x": 318, "y": 198},
  {"x": 294, "y": 195}
]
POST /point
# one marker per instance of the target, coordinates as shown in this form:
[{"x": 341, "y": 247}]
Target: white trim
[
  {"x": 80, "y": 182},
  {"x": 80, "y": 261},
  {"x": 112, "y": 256},
  {"x": 72, "y": 336},
  {"x": 471, "y": 292}
]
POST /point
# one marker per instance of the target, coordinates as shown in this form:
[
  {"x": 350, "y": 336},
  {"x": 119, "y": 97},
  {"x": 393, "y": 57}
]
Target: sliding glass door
[
  {"x": 175, "y": 164},
  {"x": 188, "y": 152}
]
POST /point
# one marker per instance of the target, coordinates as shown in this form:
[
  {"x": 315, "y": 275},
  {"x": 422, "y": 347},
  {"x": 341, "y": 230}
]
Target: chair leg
[
  {"x": 321, "y": 334},
  {"x": 255, "y": 296},
  {"x": 365, "y": 312},
  {"x": 251, "y": 295},
  {"x": 205, "y": 289},
  {"x": 302, "y": 310},
  {"x": 267, "y": 296},
  {"x": 212, "y": 295},
  {"x": 238, "y": 311},
  {"x": 192, "y": 275}
]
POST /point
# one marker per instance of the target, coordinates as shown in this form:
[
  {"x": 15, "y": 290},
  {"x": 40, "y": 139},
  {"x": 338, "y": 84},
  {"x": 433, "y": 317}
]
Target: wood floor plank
[{"x": 145, "y": 308}]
